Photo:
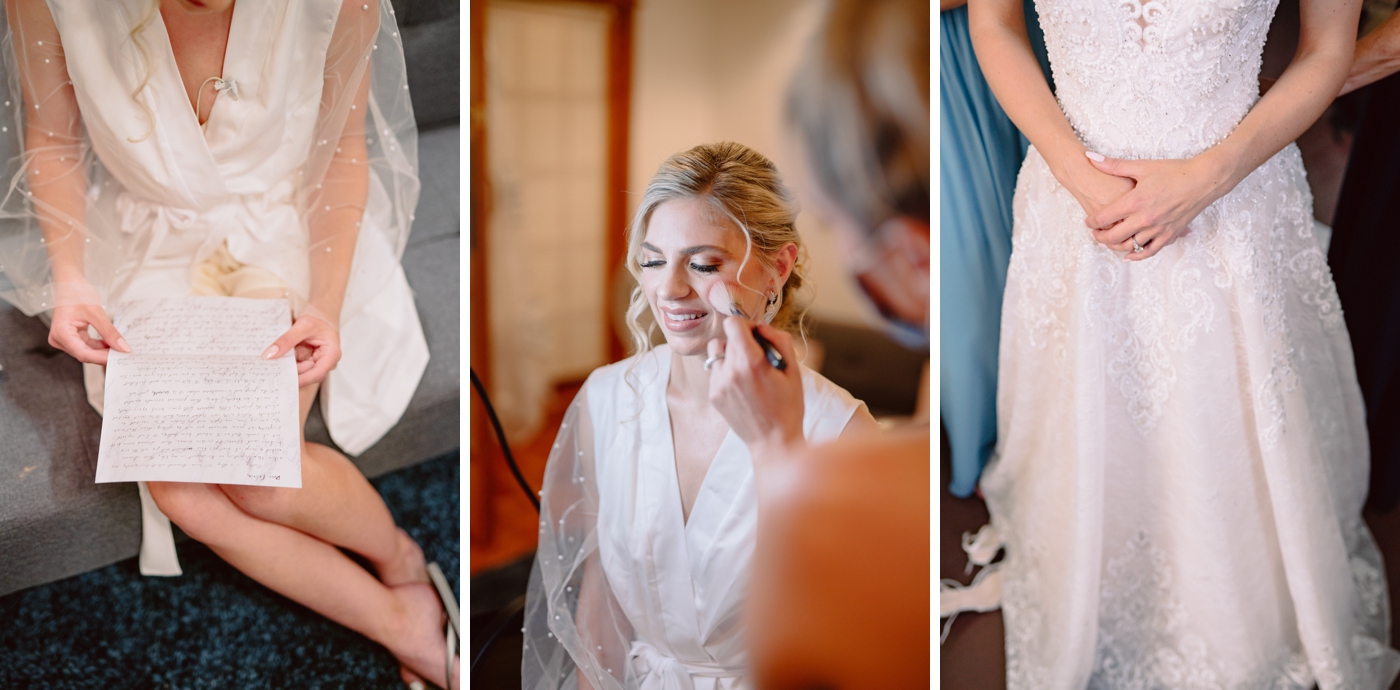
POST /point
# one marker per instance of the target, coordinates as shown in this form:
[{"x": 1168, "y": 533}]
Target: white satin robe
[
  {"x": 192, "y": 188},
  {"x": 680, "y": 584}
]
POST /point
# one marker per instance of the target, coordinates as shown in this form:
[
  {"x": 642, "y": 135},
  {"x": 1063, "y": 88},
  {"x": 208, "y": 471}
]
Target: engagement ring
[
  {"x": 712, "y": 360},
  {"x": 1136, "y": 247}
]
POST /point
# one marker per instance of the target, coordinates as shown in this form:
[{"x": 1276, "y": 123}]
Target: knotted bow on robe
[
  {"x": 135, "y": 213},
  {"x": 656, "y": 671},
  {"x": 256, "y": 215}
]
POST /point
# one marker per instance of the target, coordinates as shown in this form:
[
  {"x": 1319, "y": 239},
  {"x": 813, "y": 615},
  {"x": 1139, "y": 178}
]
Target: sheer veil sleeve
[
  {"x": 576, "y": 634},
  {"x": 46, "y": 248},
  {"x": 360, "y": 183},
  {"x": 355, "y": 189}
]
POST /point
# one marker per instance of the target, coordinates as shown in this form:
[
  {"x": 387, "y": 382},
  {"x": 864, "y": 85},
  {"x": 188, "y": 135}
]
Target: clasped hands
[
  {"x": 315, "y": 340},
  {"x": 1150, "y": 202}
]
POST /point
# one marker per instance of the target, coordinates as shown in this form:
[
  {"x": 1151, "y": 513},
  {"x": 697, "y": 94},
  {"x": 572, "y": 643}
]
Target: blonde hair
[
  {"x": 860, "y": 103},
  {"x": 149, "y": 15},
  {"x": 742, "y": 186}
]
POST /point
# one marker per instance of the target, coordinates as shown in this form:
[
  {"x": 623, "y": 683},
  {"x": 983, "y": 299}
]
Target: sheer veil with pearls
[{"x": 61, "y": 189}]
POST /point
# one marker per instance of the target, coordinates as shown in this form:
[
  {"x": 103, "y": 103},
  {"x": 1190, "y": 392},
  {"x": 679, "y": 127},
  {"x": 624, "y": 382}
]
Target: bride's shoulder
[
  {"x": 816, "y": 388},
  {"x": 826, "y": 406}
]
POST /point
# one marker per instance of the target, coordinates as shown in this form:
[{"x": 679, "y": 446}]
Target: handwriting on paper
[
  {"x": 203, "y": 325},
  {"x": 195, "y": 402}
]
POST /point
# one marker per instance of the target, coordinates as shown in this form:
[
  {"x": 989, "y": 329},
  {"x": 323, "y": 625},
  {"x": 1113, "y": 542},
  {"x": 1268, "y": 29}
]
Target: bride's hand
[
  {"x": 762, "y": 404},
  {"x": 1169, "y": 195},
  {"x": 317, "y": 345},
  {"x": 69, "y": 332},
  {"x": 1092, "y": 188}
]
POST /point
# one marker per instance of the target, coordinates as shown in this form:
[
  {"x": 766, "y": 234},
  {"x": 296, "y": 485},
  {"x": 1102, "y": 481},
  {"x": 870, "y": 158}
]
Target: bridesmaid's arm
[
  {"x": 1377, "y": 55},
  {"x": 1171, "y": 193},
  {"x": 998, "y": 29}
]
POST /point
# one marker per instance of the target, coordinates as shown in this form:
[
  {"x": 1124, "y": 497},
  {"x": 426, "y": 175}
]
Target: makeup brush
[{"x": 722, "y": 299}]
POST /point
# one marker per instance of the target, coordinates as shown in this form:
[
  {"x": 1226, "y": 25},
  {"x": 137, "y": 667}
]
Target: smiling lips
[{"x": 682, "y": 320}]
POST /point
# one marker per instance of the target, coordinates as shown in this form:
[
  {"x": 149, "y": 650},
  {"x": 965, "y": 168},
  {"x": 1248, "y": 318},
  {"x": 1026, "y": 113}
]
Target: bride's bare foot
[
  {"x": 407, "y": 566},
  {"x": 419, "y": 643}
]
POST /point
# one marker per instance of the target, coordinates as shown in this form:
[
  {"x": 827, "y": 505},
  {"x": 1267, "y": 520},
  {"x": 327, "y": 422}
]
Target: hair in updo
[{"x": 741, "y": 186}]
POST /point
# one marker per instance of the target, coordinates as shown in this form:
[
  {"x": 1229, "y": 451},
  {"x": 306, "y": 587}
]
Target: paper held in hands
[{"x": 194, "y": 401}]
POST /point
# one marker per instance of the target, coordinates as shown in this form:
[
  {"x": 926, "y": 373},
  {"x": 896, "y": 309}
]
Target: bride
[
  {"x": 261, "y": 150},
  {"x": 1182, "y": 452},
  {"x": 650, "y": 500}
]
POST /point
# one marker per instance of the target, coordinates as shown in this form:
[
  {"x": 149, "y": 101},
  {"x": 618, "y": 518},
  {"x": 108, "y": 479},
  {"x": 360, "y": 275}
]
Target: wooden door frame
[
  {"x": 479, "y": 352},
  {"x": 619, "y": 132},
  {"x": 620, "y": 47}
]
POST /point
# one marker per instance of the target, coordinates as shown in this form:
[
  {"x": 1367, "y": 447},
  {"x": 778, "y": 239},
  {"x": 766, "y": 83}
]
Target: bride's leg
[
  {"x": 336, "y": 504},
  {"x": 407, "y": 620}
]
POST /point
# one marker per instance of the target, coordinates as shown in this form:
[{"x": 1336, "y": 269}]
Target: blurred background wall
[{"x": 718, "y": 70}]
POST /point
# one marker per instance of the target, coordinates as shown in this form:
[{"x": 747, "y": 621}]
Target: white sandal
[
  {"x": 449, "y": 603},
  {"x": 984, "y": 594}
]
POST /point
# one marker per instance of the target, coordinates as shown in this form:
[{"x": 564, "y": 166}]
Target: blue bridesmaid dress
[{"x": 980, "y": 155}]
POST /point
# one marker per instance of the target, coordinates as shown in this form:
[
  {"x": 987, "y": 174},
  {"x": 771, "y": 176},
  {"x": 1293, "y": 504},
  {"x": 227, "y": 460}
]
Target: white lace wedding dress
[{"x": 1182, "y": 451}]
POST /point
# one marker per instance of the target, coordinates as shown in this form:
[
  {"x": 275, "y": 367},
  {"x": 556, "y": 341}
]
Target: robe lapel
[
  {"x": 177, "y": 132},
  {"x": 720, "y": 532},
  {"x": 250, "y": 37},
  {"x": 660, "y": 490}
]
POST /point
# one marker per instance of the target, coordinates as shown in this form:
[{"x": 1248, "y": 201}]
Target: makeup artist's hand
[
  {"x": 317, "y": 345},
  {"x": 762, "y": 405}
]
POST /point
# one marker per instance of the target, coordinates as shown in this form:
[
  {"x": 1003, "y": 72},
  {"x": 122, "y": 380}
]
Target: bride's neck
[{"x": 689, "y": 380}]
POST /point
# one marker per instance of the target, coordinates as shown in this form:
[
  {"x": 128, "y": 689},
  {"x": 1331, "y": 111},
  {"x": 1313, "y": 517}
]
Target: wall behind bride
[{"x": 575, "y": 104}]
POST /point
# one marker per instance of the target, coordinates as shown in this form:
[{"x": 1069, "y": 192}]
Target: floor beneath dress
[
  {"x": 213, "y": 627},
  {"x": 974, "y": 658}
]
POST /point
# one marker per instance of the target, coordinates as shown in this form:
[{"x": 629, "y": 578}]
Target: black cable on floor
[{"x": 501, "y": 436}]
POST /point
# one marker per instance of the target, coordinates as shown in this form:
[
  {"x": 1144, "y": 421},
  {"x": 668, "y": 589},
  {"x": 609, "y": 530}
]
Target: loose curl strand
[{"x": 148, "y": 16}]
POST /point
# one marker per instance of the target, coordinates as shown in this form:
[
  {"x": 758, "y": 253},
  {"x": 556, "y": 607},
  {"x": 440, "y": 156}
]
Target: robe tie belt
[
  {"x": 660, "y": 672},
  {"x": 258, "y": 215},
  {"x": 136, "y": 213}
]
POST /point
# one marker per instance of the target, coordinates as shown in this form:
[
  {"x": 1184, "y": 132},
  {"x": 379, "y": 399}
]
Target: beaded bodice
[{"x": 1156, "y": 79}]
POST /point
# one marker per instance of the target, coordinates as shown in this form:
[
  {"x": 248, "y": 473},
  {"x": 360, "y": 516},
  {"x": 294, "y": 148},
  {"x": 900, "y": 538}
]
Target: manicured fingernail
[
  {"x": 1096, "y": 157},
  {"x": 1127, "y": 258},
  {"x": 271, "y": 352},
  {"x": 121, "y": 345}
]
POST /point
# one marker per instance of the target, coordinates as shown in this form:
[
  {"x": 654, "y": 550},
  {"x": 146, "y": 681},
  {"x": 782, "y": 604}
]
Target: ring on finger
[
  {"x": 1137, "y": 248},
  {"x": 712, "y": 360}
]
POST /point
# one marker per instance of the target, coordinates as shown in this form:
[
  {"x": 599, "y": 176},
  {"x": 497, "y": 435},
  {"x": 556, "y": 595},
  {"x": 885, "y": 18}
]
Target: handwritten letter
[{"x": 195, "y": 401}]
